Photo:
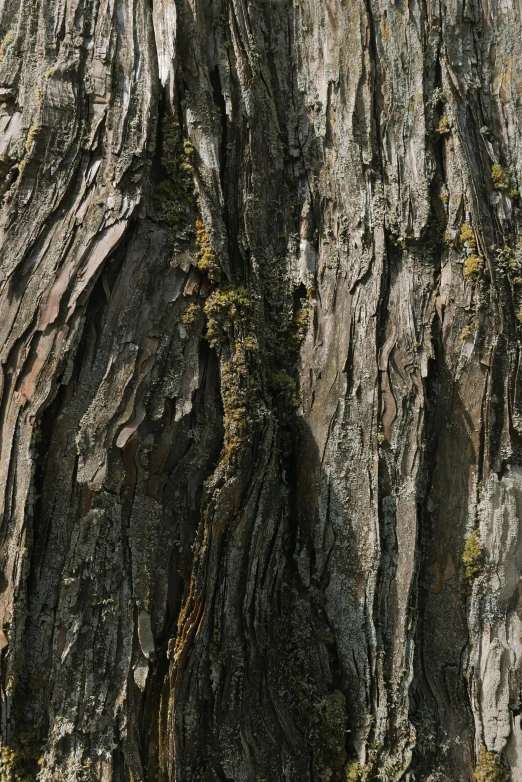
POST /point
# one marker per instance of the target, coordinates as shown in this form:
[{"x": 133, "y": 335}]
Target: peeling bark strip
[{"x": 260, "y": 391}]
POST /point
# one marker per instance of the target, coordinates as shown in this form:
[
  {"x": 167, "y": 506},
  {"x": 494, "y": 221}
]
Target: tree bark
[{"x": 261, "y": 407}]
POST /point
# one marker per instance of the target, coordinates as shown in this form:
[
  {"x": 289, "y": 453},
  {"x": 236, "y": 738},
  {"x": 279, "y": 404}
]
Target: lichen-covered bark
[{"x": 261, "y": 407}]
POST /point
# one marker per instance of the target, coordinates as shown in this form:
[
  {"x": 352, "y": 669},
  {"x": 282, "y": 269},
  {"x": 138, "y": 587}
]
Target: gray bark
[{"x": 261, "y": 411}]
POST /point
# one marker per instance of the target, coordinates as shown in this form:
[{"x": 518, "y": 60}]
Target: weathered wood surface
[{"x": 260, "y": 299}]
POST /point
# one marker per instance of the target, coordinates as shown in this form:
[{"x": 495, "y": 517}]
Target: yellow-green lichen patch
[
  {"x": 472, "y": 267},
  {"x": 239, "y": 390},
  {"x": 192, "y": 315},
  {"x": 300, "y": 321},
  {"x": 21, "y": 757},
  {"x": 7, "y": 41},
  {"x": 499, "y": 177},
  {"x": 443, "y": 126},
  {"x": 205, "y": 256},
  {"x": 467, "y": 236},
  {"x": 230, "y": 330},
  {"x": 31, "y": 136},
  {"x": 225, "y": 307},
  {"x": 472, "y": 559},
  {"x": 490, "y": 767},
  {"x": 354, "y": 772}
]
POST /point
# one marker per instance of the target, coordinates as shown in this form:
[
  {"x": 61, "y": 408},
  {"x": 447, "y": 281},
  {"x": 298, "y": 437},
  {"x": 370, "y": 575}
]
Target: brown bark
[{"x": 260, "y": 413}]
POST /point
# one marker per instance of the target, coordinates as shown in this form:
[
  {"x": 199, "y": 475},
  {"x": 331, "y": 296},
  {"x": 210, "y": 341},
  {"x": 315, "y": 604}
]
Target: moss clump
[
  {"x": 21, "y": 758},
  {"x": 472, "y": 558},
  {"x": 467, "y": 236},
  {"x": 192, "y": 315},
  {"x": 331, "y": 736},
  {"x": 225, "y": 307},
  {"x": 239, "y": 390},
  {"x": 472, "y": 267},
  {"x": 325, "y": 723},
  {"x": 357, "y": 773},
  {"x": 31, "y": 136},
  {"x": 230, "y": 329},
  {"x": 205, "y": 256},
  {"x": 354, "y": 772},
  {"x": 300, "y": 322},
  {"x": 499, "y": 177},
  {"x": 443, "y": 126},
  {"x": 490, "y": 767},
  {"x": 280, "y": 383},
  {"x": 175, "y": 200},
  {"x": 284, "y": 345},
  {"x": 7, "y": 41}
]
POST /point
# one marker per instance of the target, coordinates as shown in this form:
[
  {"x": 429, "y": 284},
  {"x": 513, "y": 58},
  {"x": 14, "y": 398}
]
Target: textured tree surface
[{"x": 261, "y": 403}]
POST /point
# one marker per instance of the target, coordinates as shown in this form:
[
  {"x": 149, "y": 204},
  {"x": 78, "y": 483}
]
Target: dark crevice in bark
[
  {"x": 229, "y": 177},
  {"x": 219, "y": 101},
  {"x": 429, "y": 715},
  {"x": 423, "y": 702}
]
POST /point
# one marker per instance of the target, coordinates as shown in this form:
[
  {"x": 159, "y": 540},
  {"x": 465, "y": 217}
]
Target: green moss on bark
[
  {"x": 205, "y": 255},
  {"x": 490, "y": 767},
  {"x": 472, "y": 559},
  {"x": 192, "y": 315},
  {"x": 175, "y": 200},
  {"x": 230, "y": 329},
  {"x": 500, "y": 177},
  {"x": 21, "y": 757}
]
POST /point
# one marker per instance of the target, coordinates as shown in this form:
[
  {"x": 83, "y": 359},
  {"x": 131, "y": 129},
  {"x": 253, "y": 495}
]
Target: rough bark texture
[{"x": 261, "y": 404}]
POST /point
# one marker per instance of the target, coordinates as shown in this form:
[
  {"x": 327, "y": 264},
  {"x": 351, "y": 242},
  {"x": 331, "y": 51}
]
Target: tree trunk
[{"x": 261, "y": 405}]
